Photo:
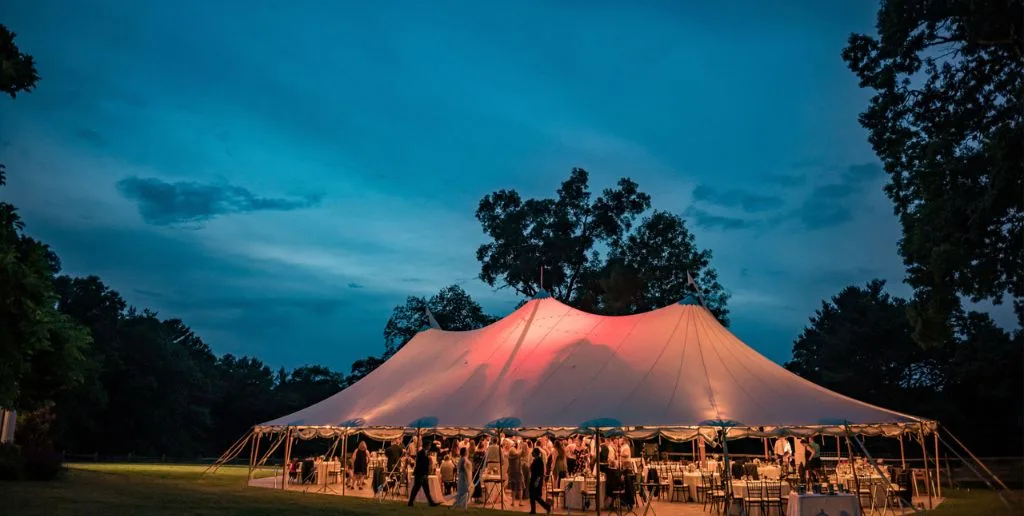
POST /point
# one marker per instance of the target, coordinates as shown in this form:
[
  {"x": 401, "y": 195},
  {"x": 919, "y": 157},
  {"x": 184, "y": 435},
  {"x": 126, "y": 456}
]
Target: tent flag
[
  {"x": 431, "y": 320},
  {"x": 690, "y": 282}
]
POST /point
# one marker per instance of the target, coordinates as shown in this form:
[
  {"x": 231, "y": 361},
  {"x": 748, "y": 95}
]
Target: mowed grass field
[
  {"x": 145, "y": 489},
  {"x": 156, "y": 489}
]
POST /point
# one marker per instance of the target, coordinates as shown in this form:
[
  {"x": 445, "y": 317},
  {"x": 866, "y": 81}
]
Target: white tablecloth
[
  {"x": 574, "y": 492},
  {"x": 739, "y": 488},
  {"x": 323, "y": 470},
  {"x": 816, "y": 505},
  {"x": 768, "y": 472},
  {"x": 434, "y": 482}
]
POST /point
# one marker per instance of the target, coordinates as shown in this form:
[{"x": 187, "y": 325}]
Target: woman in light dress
[{"x": 465, "y": 480}]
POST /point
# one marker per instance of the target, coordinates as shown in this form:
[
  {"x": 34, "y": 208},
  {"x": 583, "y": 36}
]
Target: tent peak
[{"x": 690, "y": 300}]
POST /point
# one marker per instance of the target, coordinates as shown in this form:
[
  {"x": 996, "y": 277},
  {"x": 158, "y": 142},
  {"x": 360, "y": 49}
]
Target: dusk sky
[{"x": 281, "y": 174}]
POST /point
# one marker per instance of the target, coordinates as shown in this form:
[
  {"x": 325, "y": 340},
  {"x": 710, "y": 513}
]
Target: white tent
[{"x": 551, "y": 366}]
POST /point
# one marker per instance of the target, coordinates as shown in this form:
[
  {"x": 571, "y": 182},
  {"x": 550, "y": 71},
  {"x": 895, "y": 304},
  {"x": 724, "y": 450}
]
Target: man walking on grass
[{"x": 419, "y": 478}]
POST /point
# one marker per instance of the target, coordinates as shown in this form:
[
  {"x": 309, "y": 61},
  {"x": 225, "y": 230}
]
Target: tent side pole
[
  {"x": 938, "y": 467},
  {"x": 598, "y": 499},
  {"x": 927, "y": 470},
  {"x": 853, "y": 468},
  {"x": 287, "y": 458},
  {"x": 839, "y": 450},
  {"x": 344, "y": 461},
  {"x": 501, "y": 471},
  {"x": 903, "y": 457},
  {"x": 254, "y": 456}
]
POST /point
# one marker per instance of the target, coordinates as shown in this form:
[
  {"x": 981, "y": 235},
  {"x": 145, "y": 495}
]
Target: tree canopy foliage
[
  {"x": 860, "y": 343},
  {"x": 945, "y": 119},
  {"x": 453, "y": 309},
  {"x": 17, "y": 69},
  {"x": 592, "y": 256},
  {"x": 40, "y": 348}
]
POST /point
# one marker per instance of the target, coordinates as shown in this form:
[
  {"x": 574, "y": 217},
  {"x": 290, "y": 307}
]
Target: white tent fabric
[{"x": 553, "y": 366}]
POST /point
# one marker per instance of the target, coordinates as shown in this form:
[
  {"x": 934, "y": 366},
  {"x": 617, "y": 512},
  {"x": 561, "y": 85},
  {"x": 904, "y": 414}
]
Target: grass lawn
[
  {"x": 976, "y": 502},
  {"x": 144, "y": 489}
]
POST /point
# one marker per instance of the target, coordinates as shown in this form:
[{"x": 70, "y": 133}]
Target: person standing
[
  {"x": 419, "y": 478},
  {"x": 394, "y": 455},
  {"x": 360, "y": 464},
  {"x": 465, "y": 479},
  {"x": 537, "y": 483}
]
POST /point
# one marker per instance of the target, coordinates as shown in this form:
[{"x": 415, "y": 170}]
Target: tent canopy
[{"x": 552, "y": 366}]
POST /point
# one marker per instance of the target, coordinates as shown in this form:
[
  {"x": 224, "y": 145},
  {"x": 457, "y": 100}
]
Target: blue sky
[{"x": 281, "y": 174}]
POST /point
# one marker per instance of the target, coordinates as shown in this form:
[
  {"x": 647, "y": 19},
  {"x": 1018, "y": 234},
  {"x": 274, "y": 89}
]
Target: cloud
[
  {"x": 834, "y": 204},
  {"x": 354, "y": 285},
  {"x": 705, "y": 219},
  {"x": 161, "y": 203},
  {"x": 90, "y": 136},
  {"x": 747, "y": 201}
]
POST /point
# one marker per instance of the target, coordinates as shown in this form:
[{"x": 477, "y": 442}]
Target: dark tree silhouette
[
  {"x": 945, "y": 119},
  {"x": 593, "y": 257}
]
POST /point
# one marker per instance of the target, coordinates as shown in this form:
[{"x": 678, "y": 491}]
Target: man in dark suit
[
  {"x": 419, "y": 477},
  {"x": 394, "y": 455},
  {"x": 537, "y": 484}
]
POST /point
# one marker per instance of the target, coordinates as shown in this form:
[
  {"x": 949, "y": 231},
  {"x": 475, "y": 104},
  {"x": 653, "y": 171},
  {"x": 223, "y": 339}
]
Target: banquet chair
[
  {"x": 679, "y": 489},
  {"x": 589, "y": 493},
  {"x": 773, "y": 497},
  {"x": 755, "y": 496}
]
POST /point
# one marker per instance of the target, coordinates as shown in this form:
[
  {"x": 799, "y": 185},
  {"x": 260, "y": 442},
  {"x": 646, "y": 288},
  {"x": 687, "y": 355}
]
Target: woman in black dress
[{"x": 360, "y": 462}]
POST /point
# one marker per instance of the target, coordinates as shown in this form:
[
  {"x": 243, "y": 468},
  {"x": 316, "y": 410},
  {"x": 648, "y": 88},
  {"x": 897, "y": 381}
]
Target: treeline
[
  {"x": 151, "y": 386},
  {"x": 861, "y": 343}
]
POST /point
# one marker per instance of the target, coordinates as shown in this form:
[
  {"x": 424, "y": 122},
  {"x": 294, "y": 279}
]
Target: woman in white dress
[{"x": 463, "y": 487}]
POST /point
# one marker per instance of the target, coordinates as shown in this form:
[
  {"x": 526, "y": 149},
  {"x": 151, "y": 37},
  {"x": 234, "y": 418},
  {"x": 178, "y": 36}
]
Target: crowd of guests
[{"x": 522, "y": 465}]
